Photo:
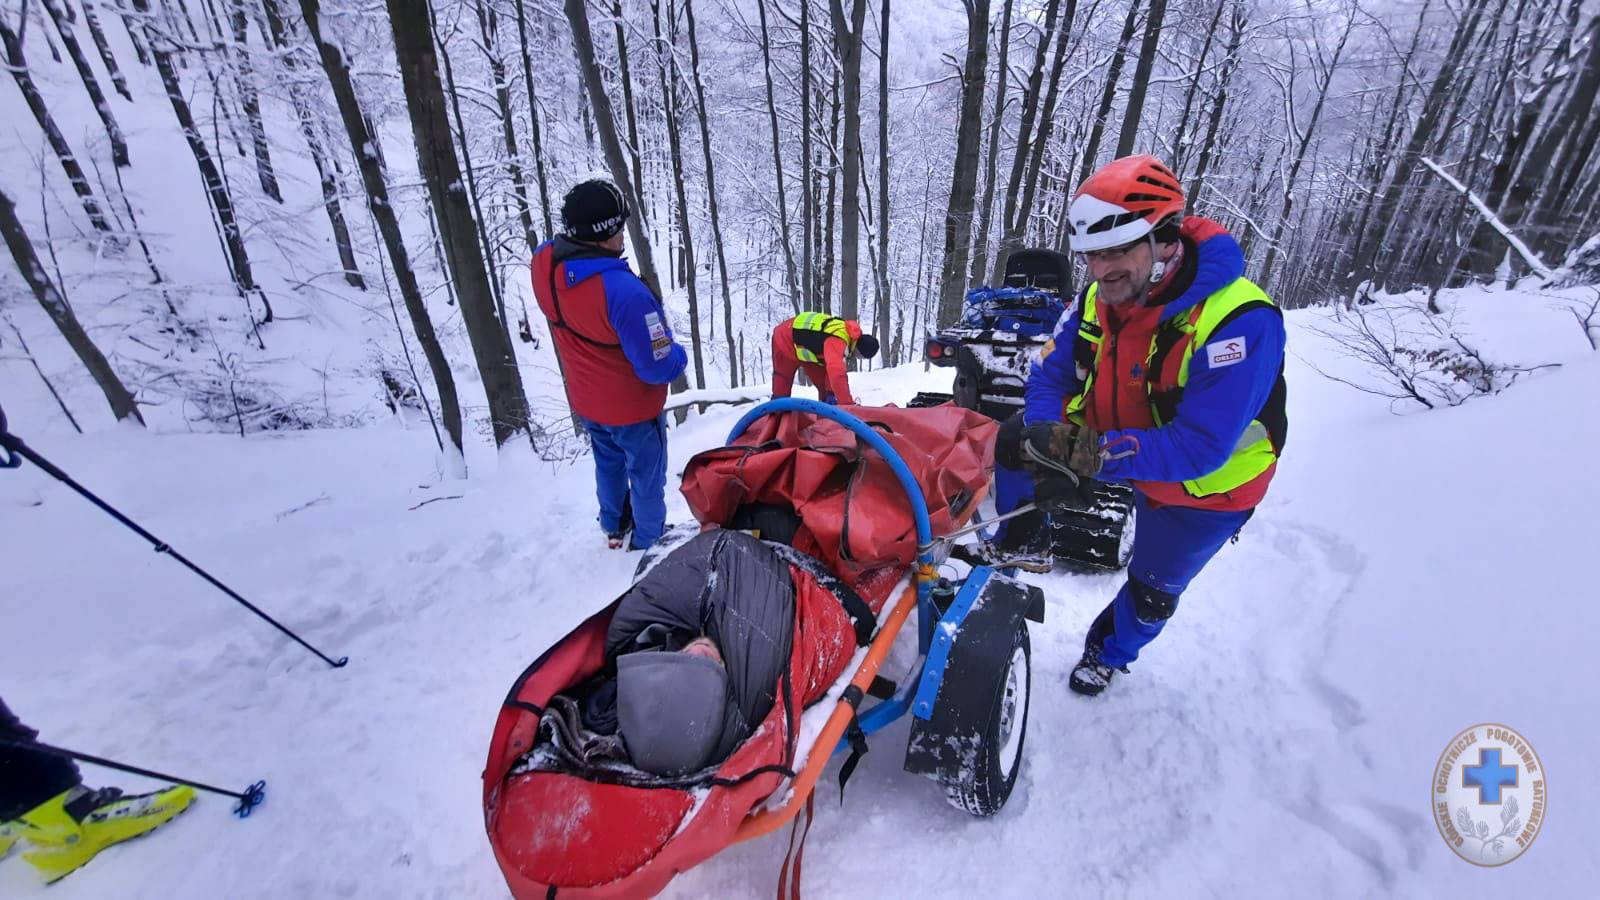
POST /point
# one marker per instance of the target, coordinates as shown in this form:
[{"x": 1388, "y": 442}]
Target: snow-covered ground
[{"x": 1408, "y": 576}]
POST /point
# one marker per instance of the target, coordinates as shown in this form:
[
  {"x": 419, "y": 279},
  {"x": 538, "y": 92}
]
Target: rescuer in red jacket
[
  {"x": 821, "y": 345},
  {"x": 617, "y": 356}
]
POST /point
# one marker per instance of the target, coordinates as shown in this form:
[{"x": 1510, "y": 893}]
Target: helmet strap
[{"x": 1158, "y": 266}]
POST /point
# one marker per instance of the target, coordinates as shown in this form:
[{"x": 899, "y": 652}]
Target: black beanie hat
[
  {"x": 593, "y": 210},
  {"x": 867, "y": 346}
]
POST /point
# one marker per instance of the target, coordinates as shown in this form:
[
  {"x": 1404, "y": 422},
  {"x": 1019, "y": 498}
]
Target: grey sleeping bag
[{"x": 732, "y": 588}]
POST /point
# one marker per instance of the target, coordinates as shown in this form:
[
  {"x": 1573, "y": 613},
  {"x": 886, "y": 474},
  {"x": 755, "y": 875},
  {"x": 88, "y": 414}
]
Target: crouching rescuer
[
  {"x": 1167, "y": 374},
  {"x": 617, "y": 357},
  {"x": 821, "y": 345}
]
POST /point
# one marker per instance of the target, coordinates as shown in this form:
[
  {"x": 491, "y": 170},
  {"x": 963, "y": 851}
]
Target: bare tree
[
  {"x": 98, "y": 34},
  {"x": 669, "y": 102},
  {"x": 777, "y": 163},
  {"x": 848, "y": 37},
  {"x": 711, "y": 194},
  {"x": 91, "y": 84},
  {"x": 364, "y": 145},
  {"x": 436, "y": 157},
  {"x": 1108, "y": 93},
  {"x": 327, "y": 172},
  {"x": 1141, "y": 78},
  {"x": 980, "y": 236},
  {"x": 58, "y": 144},
  {"x": 963, "y": 182},
  {"x": 56, "y": 307},
  {"x": 245, "y": 78},
  {"x": 536, "y": 131},
  {"x": 882, "y": 267}
]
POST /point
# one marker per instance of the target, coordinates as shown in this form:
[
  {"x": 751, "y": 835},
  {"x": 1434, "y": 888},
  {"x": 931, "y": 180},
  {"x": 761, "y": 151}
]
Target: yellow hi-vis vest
[
  {"x": 1165, "y": 376},
  {"x": 811, "y": 329}
]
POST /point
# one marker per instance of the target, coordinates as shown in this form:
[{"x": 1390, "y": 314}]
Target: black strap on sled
[{"x": 853, "y": 733}]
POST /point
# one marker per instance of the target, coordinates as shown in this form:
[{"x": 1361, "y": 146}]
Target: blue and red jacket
[
  {"x": 611, "y": 332},
  {"x": 1217, "y": 404}
]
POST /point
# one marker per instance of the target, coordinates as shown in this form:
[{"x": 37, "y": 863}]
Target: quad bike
[{"x": 999, "y": 336}]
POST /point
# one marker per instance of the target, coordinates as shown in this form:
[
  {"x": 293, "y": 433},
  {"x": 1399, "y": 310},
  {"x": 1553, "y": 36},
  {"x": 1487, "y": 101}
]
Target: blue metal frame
[{"x": 883, "y": 713}]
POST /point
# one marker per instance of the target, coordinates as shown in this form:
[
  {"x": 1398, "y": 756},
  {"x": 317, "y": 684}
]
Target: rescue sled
[{"x": 554, "y": 834}]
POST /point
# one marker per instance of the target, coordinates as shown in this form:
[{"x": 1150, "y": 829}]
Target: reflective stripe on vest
[
  {"x": 1254, "y": 452},
  {"x": 820, "y": 326}
]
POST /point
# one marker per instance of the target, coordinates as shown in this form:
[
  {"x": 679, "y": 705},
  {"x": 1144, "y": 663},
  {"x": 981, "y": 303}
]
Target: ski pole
[
  {"x": 16, "y": 451},
  {"x": 250, "y": 798}
]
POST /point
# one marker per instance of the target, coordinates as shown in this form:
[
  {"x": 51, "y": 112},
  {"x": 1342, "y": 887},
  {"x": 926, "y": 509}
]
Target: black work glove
[
  {"x": 1059, "y": 493},
  {"x": 1061, "y": 448}
]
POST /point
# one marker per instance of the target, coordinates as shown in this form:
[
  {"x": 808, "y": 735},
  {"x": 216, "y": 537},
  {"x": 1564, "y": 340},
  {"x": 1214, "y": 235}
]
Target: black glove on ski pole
[
  {"x": 15, "y": 451},
  {"x": 250, "y": 798}
]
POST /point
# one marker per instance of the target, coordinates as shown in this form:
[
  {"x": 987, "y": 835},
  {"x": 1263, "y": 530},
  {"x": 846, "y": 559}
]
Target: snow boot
[
  {"x": 1091, "y": 676},
  {"x": 991, "y": 554},
  {"x": 67, "y": 830}
]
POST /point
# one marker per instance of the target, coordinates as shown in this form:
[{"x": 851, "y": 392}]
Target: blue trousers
[
  {"x": 1171, "y": 544},
  {"x": 630, "y": 464}
]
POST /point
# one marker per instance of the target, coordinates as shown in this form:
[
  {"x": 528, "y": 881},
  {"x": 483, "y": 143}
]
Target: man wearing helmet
[{"x": 1167, "y": 374}]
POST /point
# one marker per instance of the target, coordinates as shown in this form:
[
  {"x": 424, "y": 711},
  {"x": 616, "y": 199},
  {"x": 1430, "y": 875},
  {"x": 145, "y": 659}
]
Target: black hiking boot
[{"x": 1091, "y": 676}]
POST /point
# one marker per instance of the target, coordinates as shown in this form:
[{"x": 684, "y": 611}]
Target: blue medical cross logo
[{"x": 1489, "y": 776}]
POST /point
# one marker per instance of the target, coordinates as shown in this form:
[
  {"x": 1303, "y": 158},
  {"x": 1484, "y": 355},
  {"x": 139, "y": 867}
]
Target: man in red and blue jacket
[
  {"x": 617, "y": 358},
  {"x": 1168, "y": 375}
]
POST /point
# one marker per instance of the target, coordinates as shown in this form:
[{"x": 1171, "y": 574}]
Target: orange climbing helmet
[{"x": 1126, "y": 200}]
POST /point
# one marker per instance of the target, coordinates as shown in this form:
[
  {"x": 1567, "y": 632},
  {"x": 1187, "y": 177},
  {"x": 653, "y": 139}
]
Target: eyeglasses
[{"x": 1108, "y": 255}]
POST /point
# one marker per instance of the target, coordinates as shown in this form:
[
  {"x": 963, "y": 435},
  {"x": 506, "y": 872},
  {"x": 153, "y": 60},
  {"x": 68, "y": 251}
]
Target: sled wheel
[{"x": 999, "y": 752}]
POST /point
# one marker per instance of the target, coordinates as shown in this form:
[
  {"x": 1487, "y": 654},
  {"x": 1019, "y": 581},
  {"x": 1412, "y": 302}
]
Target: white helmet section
[{"x": 1088, "y": 210}]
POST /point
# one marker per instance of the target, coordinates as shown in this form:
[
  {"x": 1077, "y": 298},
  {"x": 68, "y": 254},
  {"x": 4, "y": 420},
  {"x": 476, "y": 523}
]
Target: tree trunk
[
  {"x": 481, "y": 225},
  {"x": 1019, "y": 160},
  {"x": 1536, "y": 167},
  {"x": 884, "y": 300},
  {"x": 634, "y": 146},
  {"x": 711, "y": 195},
  {"x": 210, "y": 176},
  {"x": 139, "y": 51},
  {"x": 252, "y": 102},
  {"x": 278, "y": 32},
  {"x": 1091, "y": 155},
  {"x": 1290, "y": 185},
  {"x": 489, "y": 29},
  {"x": 1365, "y": 265},
  {"x": 436, "y": 156},
  {"x": 669, "y": 104},
  {"x": 98, "y": 34},
  {"x": 1141, "y": 79},
  {"x": 533, "y": 117},
  {"x": 963, "y": 182},
  {"x": 583, "y": 44},
  {"x": 1180, "y": 140},
  {"x": 848, "y": 38},
  {"x": 364, "y": 146},
  {"x": 777, "y": 163},
  {"x": 808, "y": 208},
  {"x": 1017, "y": 228},
  {"x": 55, "y": 306},
  {"x": 1237, "y": 19},
  {"x": 830, "y": 209},
  {"x": 58, "y": 144},
  {"x": 91, "y": 84},
  {"x": 980, "y": 237}
]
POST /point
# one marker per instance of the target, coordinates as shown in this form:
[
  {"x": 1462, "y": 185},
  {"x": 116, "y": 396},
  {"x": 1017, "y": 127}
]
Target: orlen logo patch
[{"x": 1225, "y": 353}]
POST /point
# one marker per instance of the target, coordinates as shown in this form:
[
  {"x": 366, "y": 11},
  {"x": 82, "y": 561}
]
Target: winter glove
[
  {"x": 1061, "y": 449},
  {"x": 1058, "y": 493}
]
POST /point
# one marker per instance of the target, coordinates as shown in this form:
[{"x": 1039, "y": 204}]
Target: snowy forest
[{"x": 248, "y": 215}]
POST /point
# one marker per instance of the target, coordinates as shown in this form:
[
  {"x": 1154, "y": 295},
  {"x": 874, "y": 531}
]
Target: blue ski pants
[
  {"x": 1171, "y": 544},
  {"x": 630, "y": 464}
]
